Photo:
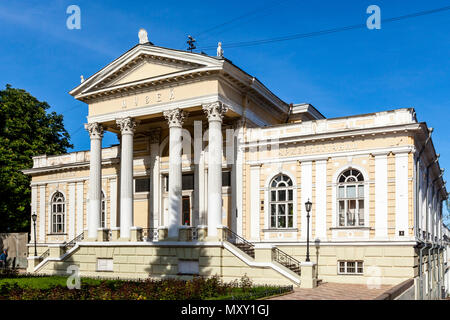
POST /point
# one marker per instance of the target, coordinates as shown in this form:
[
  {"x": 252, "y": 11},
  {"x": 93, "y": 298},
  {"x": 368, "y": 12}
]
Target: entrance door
[{"x": 186, "y": 210}]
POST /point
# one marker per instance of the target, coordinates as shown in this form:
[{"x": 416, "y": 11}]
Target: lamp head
[{"x": 308, "y": 205}]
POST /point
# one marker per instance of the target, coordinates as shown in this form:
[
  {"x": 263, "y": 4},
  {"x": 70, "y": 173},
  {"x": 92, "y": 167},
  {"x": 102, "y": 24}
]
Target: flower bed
[{"x": 16, "y": 288}]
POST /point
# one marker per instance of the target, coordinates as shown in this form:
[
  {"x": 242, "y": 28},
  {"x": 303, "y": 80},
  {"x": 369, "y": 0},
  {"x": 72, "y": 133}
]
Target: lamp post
[
  {"x": 34, "y": 217},
  {"x": 308, "y": 206}
]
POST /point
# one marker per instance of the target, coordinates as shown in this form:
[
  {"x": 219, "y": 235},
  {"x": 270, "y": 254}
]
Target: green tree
[{"x": 26, "y": 130}]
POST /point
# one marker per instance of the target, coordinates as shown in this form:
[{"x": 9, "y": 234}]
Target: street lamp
[
  {"x": 308, "y": 206},
  {"x": 34, "y": 217}
]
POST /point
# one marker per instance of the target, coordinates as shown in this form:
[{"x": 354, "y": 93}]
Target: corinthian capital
[
  {"x": 175, "y": 117},
  {"x": 126, "y": 125},
  {"x": 95, "y": 130},
  {"x": 215, "y": 111}
]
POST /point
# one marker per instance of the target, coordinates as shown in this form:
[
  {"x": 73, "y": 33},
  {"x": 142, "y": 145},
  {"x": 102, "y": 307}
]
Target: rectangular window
[
  {"x": 350, "y": 267},
  {"x": 190, "y": 267},
  {"x": 142, "y": 184},
  {"x": 105, "y": 264},
  {"x": 187, "y": 181},
  {"x": 226, "y": 179}
]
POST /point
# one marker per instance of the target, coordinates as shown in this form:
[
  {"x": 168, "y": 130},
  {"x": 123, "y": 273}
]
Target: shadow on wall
[{"x": 16, "y": 246}]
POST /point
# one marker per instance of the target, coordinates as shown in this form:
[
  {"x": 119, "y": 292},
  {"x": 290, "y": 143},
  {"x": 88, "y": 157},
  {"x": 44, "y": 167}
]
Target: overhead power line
[
  {"x": 241, "y": 17},
  {"x": 322, "y": 32}
]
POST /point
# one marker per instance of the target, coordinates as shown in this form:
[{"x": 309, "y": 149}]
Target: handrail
[
  {"x": 149, "y": 234},
  {"x": 72, "y": 243},
  {"x": 286, "y": 260},
  {"x": 44, "y": 255},
  {"x": 239, "y": 242}
]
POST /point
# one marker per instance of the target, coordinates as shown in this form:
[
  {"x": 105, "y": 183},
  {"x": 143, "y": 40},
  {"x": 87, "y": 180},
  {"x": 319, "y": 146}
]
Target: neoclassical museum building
[{"x": 216, "y": 175}]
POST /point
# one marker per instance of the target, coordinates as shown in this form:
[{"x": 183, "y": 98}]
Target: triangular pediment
[{"x": 143, "y": 64}]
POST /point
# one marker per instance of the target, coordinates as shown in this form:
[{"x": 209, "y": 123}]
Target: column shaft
[
  {"x": 126, "y": 176},
  {"x": 95, "y": 178},
  {"x": 175, "y": 119},
  {"x": 215, "y": 112}
]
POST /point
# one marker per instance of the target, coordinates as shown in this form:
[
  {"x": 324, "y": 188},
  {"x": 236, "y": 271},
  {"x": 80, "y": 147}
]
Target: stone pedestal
[
  {"x": 308, "y": 278},
  {"x": 202, "y": 232},
  {"x": 115, "y": 233},
  {"x": 185, "y": 233},
  {"x": 163, "y": 233},
  {"x": 263, "y": 252},
  {"x": 102, "y": 234},
  {"x": 220, "y": 234},
  {"x": 32, "y": 263},
  {"x": 136, "y": 234}
]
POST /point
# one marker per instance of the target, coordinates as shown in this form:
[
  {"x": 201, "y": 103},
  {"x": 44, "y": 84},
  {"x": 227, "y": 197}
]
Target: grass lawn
[{"x": 44, "y": 282}]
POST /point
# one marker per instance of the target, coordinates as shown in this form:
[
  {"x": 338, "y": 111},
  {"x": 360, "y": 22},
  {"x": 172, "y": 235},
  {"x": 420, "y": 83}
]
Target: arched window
[
  {"x": 350, "y": 198},
  {"x": 103, "y": 212},
  {"x": 281, "y": 193},
  {"x": 58, "y": 207}
]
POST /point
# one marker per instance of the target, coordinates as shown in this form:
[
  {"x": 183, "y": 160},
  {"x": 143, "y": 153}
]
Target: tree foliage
[{"x": 26, "y": 130}]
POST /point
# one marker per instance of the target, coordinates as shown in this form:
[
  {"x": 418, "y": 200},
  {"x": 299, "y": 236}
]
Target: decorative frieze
[
  {"x": 127, "y": 125},
  {"x": 215, "y": 111},
  {"x": 175, "y": 117},
  {"x": 95, "y": 130}
]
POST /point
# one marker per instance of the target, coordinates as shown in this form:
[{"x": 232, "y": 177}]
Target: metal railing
[
  {"x": 194, "y": 234},
  {"x": 44, "y": 255},
  {"x": 286, "y": 260},
  {"x": 239, "y": 242},
  {"x": 149, "y": 234},
  {"x": 69, "y": 245}
]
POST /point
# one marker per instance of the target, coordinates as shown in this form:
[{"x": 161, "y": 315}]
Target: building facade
[{"x": 212, "y": 174}]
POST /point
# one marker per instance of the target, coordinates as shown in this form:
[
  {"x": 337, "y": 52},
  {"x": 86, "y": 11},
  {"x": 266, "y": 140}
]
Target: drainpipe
[
  {"x": 430, "y": 273},
  {"x": 423, "y": 246}
]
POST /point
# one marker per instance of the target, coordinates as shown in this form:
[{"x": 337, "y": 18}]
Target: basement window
[
  {"x": 105, "y": 264},
  {"x": 188, "y": 267},
  {"x": 350, "y": 267}
]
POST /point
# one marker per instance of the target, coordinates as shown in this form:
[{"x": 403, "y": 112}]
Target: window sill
[
  {"x": 351, "y": 228},
  {"x": 281, "y": 230},
  {"x": 57, "y": 234}
]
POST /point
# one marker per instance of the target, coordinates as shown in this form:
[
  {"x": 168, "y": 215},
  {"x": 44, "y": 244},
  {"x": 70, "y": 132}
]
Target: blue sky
[{"x": 405, "y": 64}]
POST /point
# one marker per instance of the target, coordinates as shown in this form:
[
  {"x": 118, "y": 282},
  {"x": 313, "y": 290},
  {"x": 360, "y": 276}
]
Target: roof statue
[
  {"x": 219, "y": 50},
  {"x": 143, "y": 36},
  {"x": 81, "y": 79}
]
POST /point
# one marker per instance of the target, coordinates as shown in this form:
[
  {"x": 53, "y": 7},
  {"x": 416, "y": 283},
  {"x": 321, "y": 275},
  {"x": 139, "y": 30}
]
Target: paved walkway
[{"x": 335, "y": 291}]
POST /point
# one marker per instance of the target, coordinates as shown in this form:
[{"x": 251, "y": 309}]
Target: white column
[
  {"x": 34, "y": 195},
  {"x": 321, "y": 200},
  {"x": 72, "y": 201},
  {"x": 113, "y": 202},
  {"x": 41, "y": 213},
  {"x": 95, "y": 178},
  {"x": 239, "y": 169},
  {"x": 254, "y": 201},
  {"x": 306, "y": 193},
  {"x": 127, "y": 126},
  {"x": 215, "y": 112},
  {"x": 401, "y": 194},
  {"x": 175, "y": 119},
  {"x": 80, "y": 207},
  {"x": 381, "y": 196},
  {"x": 155, "y": 189}
]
